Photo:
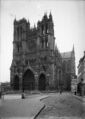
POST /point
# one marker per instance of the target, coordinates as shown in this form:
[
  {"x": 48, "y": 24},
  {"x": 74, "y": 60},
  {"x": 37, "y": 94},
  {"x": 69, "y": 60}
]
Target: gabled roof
[{"x": 66, "y": 54}]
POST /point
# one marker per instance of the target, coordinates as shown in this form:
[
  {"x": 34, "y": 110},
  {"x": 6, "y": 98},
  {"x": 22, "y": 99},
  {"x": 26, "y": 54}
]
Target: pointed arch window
[
  {"x": 64, "y": 66},
  {"x": 18, "y": 47},
  {"x": 17, "y": 33},
  {"x": 43, "y": 29},
  {"x": 46, "y": 28},
  {"x": 46, "y": 42},
  {"x": 42, "y": 43}
]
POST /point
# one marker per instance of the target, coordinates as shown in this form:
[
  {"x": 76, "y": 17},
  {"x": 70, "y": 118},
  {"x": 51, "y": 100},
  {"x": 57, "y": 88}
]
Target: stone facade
[
  {"x": 68, "y": 68},
  {"x": 81, "y": 75},
  {"x": 37, "y": 63}
]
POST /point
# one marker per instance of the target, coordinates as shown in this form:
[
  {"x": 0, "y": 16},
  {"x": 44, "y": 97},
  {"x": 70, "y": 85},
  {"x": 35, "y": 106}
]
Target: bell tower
[
  {"x": 16, "y": 39},
  {"x": 51, "y": 38},
  {"x": 73, "y": 70},
  {"x": 20, "y": 36},
  {"x": 46, "y": 32}
]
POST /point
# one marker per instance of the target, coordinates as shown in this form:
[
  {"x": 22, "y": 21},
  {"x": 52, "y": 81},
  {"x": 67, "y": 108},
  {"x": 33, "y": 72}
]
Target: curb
[
  {"x": 44, "y": 98},
  {"x": 41, "y": 108},
  {"x": 39, "y": 112},
  {"x": 79, "y": 98}
]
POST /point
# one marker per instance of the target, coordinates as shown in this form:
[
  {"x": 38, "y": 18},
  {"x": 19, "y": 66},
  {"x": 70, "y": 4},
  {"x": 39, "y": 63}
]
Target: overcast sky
[{"x": 69, "y": 26}]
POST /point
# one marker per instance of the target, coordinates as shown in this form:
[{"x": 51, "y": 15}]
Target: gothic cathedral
[{"x": 37, "y": 64}]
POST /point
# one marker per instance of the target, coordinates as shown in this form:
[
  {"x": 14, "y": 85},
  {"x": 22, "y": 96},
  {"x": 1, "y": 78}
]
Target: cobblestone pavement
[
  {"x": 54, "y": 117},
  {"x": 17, "y": 108},
  {"x": 62, "y": 106}
]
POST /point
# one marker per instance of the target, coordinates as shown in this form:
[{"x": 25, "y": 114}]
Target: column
[
  {"x": 36, "y": 81},
  {"x": 20, "y": 82},
  {"x": 47, "y": 82},
  {"x": 57, "y": 80}
]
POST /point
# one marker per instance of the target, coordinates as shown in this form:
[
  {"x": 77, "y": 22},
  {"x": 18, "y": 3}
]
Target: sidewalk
[
  {"x": 81, "y": 98},
  {"x": 21, "y": 108},
  {"x": 11, "y": 96}
]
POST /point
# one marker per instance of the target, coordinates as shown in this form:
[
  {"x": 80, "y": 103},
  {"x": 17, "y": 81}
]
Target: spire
[
  {"x": 15, "y": 20},
  {"x": 73, "y": 48},
  {"x": 50, "y": 16},
  {"x": 73, "y": 51},
  {"x": 45, "y": 16},
  {"x": 28, "y": 24}
]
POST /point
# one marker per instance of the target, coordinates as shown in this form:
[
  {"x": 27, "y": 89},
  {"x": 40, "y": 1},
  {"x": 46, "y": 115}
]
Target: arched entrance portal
[
  {"x": 42, "y": 82},
  {"x": 28, "y": 80},
  {"x": 16, "y": 83}
]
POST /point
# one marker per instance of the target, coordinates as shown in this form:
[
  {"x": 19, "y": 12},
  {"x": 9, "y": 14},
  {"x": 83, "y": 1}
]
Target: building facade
[
  {"x": 37, "y": 63},
  {"x": 74, "y": 85},
  {"x": 81, "y": 74},
  {"x": 68, "y": 68},
  {"x": 5, "y": 87}
]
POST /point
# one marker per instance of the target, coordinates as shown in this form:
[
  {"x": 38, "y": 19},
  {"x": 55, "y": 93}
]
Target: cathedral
[{"x": 37, "y": 63}]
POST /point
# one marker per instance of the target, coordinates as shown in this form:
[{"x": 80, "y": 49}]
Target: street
[
  {"x": 62, "y": 105},
  {"x": 14, "y": 107},
  {"x": 56, "y": 106}
]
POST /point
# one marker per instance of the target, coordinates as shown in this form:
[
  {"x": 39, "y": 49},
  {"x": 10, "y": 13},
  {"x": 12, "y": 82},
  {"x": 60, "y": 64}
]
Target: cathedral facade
[{"x": 37, "y": 64}]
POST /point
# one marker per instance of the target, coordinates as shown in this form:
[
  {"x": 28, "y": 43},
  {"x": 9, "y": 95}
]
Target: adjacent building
[
  {"x": 74, "y": 85},
  {"x": 81, "y": 74},
  {"x": 37, "y": 63},
  {"x": 5, "y": 87}
]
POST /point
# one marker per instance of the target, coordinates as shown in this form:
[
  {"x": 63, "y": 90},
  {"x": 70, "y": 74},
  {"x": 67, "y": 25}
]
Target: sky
[{"x": 69, "y": 26}]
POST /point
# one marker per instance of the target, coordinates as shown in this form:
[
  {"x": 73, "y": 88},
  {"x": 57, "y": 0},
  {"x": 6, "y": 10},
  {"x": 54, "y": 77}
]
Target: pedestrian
[
  {"x": 0, "y": 94},
  {"x": 23, "y": 97},
  {"x": 61, "y": 90}
]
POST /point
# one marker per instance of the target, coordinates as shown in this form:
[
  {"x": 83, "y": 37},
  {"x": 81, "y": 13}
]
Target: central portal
[
  {"x": 42, "y": 82},
  {"x": 28, "y": 80}
]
